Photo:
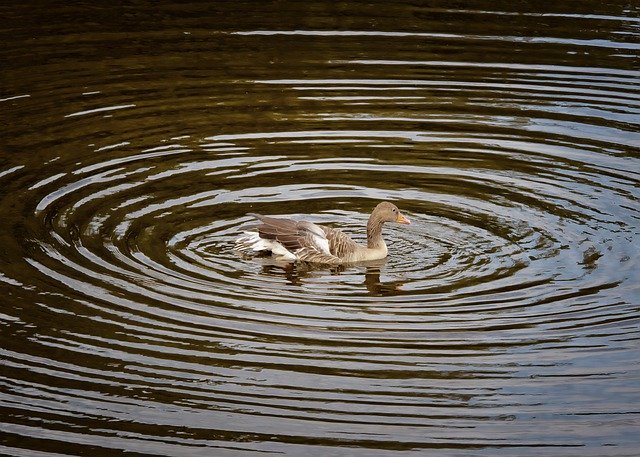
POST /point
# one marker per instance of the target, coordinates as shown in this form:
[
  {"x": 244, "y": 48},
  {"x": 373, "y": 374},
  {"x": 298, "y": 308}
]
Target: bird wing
[
  {"x": 340, "y": 244},
  {"x": 306, "y": 240}
]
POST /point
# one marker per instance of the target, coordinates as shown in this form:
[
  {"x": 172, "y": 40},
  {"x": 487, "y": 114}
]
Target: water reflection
[
  {"x": 504, "y": 322},
  {"x": 296, "y": 274}
]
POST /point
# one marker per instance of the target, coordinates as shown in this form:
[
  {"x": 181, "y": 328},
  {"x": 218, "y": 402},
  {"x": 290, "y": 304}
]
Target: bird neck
[{"x": 374, "y": 233}]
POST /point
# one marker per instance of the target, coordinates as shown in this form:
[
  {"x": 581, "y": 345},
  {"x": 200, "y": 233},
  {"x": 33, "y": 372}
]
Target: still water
[{"x": 136, "y": 138}]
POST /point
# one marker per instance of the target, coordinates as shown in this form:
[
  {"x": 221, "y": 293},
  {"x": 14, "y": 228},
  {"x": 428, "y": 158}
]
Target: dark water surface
[{"x": 135, "y": 139}]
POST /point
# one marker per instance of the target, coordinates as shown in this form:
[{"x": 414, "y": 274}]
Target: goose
[{"x": 293, "y": 240}]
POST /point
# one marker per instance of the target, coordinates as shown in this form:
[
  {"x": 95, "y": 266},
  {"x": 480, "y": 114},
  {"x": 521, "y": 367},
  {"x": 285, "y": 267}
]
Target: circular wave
[
  {"x": 506, "y": 310},
  {"x": 160, "y": 224}
]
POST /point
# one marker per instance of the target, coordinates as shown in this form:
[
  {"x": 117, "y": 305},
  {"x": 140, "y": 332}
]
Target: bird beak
[{"x": 402, "y": 220}]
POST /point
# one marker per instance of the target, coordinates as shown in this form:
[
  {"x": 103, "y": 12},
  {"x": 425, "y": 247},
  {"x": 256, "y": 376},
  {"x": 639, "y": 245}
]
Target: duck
[{"x": 299, "y": 240}]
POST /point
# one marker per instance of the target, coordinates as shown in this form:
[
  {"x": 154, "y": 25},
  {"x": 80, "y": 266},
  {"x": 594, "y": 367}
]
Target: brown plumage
[{"x": 292, "y": 240}]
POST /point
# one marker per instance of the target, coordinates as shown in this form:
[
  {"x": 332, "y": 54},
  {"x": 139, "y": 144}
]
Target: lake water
[{"x": 136, "y": 138}]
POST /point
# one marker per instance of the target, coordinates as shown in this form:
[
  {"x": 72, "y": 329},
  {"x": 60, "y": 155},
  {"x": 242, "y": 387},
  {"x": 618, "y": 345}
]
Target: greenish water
[{"x": 136, "y": 138}]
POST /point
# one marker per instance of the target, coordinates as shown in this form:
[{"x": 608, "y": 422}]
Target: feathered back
[
  {"x": 293, "y": 235},
  {"x": 340, "y": 244}
]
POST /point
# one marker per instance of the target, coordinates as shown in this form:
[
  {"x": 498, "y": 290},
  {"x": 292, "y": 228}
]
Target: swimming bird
[{"x": 292, "y": 240}]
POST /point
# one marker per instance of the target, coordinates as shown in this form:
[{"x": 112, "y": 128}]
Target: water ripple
[{"x": 504, "y": 319}]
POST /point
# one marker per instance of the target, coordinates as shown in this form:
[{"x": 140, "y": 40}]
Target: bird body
[{"x": 293, "y": 240}]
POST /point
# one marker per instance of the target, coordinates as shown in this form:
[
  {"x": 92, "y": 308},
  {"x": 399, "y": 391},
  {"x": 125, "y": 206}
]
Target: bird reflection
[
  {"x": 296, "y": 273},
  {"x": 378, "y": 288}
]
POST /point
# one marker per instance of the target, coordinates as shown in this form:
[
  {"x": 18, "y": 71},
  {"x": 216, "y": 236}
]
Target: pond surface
[{"x": 135, "y": 140}]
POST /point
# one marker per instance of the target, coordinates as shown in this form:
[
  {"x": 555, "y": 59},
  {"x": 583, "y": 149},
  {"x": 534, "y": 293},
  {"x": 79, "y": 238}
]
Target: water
[{"x": 136, "y": 138}]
